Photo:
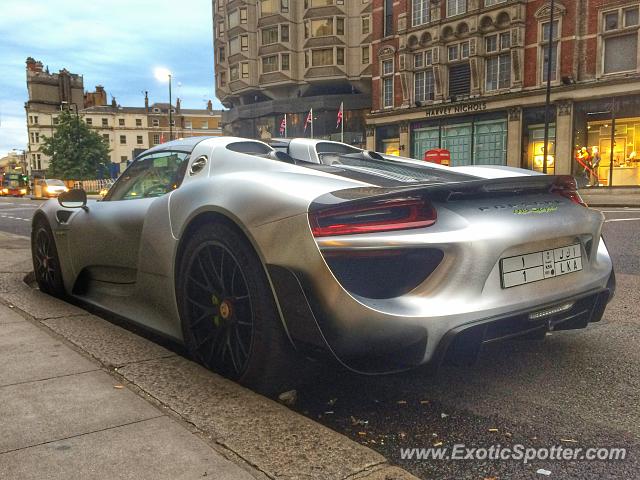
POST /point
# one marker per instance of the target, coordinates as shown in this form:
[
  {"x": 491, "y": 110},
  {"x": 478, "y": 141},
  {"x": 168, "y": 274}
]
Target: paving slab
[
  {"x": 277, "y": 441},
  {"x": 50, "y": 410},
  {"x": 38, "y": 304},
  {"x": 387, "y": 473},
  {"x": 112, "y": 345},
  {"x": 9, "y": 315},
  {"x": 155, "y": 449},
  {"x": 30, "y": 354}
]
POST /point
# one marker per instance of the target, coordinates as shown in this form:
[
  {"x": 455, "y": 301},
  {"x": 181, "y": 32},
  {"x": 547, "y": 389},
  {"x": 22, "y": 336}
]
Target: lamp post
[
  {"x": 547, "y": 104},
  {"x": 162, "y": 74}
]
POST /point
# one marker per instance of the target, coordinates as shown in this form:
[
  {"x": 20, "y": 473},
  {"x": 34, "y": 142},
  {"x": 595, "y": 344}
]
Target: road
[{"x": 575, "y": 389}]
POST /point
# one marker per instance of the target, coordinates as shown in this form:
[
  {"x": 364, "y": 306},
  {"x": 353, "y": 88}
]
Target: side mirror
[{"x": 75, "y": 198}]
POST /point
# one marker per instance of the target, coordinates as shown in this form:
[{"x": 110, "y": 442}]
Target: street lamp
[{"x": 162, "y": 75}]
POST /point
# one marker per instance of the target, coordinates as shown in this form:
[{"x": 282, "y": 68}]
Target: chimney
[
  {"x": 146, "y": 100},
  {"x": 209, "y": 105},
  {"x": 177, "y": 105}
]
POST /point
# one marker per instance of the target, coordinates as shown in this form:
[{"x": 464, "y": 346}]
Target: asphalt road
[{"x": 576, "y": 389}]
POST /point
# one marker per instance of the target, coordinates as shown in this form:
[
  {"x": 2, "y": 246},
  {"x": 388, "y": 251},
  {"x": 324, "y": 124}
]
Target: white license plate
[{"x": 537, "y": 266}]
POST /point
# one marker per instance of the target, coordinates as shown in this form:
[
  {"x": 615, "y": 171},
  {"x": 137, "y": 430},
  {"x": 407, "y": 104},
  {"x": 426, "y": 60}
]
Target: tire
[
  {"x": 46, "y": 262},
  {"x": 229, "y": 318}
]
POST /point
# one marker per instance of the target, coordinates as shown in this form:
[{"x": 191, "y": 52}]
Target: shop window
[
  {"x": 536, "y": 148},
  {"x": 420, "y": 12},
  {"x": 457, "y": 139},
  {"x": 490, "y": 143},
  {"x": 425, "y": 139},
  {"x": 424, "y": 86}
]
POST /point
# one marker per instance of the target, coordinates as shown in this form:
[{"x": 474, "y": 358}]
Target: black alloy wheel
[
  {"x": 46, "y": 263},
  {"x": 230, "y": 322},
  {"x": 218, "y": 303}
]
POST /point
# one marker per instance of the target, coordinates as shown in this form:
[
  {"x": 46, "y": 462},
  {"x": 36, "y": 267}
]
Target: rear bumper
[{"x": 462, "y": 344}]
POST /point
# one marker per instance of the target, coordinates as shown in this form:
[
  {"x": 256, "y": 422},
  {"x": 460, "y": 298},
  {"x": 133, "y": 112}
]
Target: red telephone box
[{"x": 441, "y": 156}]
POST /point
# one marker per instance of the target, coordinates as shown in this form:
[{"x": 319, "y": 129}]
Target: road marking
[
  {"x": 625, "y": 210},
  {"x": 622, "y": 220}
]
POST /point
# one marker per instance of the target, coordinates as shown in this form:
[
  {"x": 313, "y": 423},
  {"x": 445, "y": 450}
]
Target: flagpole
[
  {"x": 342, "y": 125},
  {"x": 285, "y": 125},
  {"x": 311, "y": 122}
]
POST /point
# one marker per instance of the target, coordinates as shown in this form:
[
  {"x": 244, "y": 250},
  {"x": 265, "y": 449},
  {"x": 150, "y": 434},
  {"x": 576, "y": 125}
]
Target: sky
[{"x": 114, "y": 43}]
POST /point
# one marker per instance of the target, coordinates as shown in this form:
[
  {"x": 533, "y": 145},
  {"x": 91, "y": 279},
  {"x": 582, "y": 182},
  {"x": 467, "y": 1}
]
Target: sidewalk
[
  {"x": 64, "y": 417},
  {"x": 614, "y": 197},
  {"x": 83, "y": 398}
]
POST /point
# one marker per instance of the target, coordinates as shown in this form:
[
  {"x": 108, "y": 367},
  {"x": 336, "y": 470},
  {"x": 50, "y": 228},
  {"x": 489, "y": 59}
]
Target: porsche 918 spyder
[{"x": 254, "y": 258}]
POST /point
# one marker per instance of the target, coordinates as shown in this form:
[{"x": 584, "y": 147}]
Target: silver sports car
[{"x": 254, "y": 258}]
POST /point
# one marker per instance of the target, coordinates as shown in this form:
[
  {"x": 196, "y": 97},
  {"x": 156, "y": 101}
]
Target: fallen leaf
[
  {"x": 493, "y": 430},
  {"x": 362, "y": 434},
  {"x": 568, "y": 440},
  {"x": 119, "y": 387},
  {"x": 437, "y": 444},
  {"x": 402, "y": 402},
  {"x": 444, "y": 415},
  {"x": 542, "y": 471},
  {"x": 424, "y": 402}
]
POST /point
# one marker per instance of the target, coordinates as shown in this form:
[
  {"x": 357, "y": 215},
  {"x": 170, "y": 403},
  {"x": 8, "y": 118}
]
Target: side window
[{"x": 150, "y": 176}]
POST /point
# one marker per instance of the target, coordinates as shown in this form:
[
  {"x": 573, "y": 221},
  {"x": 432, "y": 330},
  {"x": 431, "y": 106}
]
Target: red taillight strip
[
  {"x": 567, "y": 187},
  {"x": 420, "y": 213}
]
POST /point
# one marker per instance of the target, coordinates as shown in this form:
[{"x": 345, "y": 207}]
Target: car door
[{"x": 105, "y": 239}]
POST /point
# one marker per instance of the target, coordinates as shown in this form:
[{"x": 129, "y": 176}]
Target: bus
[{"x": 14, "y": 184}]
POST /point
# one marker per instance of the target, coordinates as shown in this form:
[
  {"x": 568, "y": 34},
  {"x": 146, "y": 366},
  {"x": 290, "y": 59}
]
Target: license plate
[{"x": 537, "y": 266}]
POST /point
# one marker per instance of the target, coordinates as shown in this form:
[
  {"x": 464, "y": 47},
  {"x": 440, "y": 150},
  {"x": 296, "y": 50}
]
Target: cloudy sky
[{"x": 116, "y": 43}]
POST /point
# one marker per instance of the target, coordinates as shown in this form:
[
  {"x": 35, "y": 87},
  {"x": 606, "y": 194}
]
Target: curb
[{"x": 245, "y": 427}]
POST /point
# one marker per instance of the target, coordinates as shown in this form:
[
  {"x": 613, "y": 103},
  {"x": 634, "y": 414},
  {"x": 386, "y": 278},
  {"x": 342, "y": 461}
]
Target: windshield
[{"x": 55, "y": 183}]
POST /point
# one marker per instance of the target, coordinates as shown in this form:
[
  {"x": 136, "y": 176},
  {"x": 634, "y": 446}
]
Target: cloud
[{"x": 116, "y": 44}]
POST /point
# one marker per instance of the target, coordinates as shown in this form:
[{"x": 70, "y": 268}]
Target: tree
[{"x": 76, "y": 151}]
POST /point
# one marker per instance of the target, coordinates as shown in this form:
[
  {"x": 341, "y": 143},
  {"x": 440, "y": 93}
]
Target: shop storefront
[
  {"x": 607, "y": 142},
  {"x": 388, "y": 140},
  {"x": 476, "y": 140}
]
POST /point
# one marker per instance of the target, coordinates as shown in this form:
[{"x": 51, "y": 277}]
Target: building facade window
[
  {"x": 121, "y": 122},
  {"x": 491, "y": 3},
  {"x": 366, "y": 25},
  {"x": 244, "y": 67},
  {"x": 138, "y": 122},
  {"x": 340, "y": 56},
  {"x": 322, "y": 57},
  {"x": 270, "y": 35},
  {"x": 268, "y": 7},
  {"x": 620, "y": 40},
  {"x": 459, "y": 80},
  {"x": 456, "y": 7},
  {"x": 365, "y": 55},
  {"x": 155, "y": 122},
  {"x": 123, "y": 139},
  {"x": 322, "y": 27},
  {"x": 139, "y": 139},
  {"x": 419, "y": 12},
  {"x": 270, "y": 64},
  {"x": 234, "y": 73},
  {"x": 498, "y": 62},
  {"x": 88, "y": 121},
  {"x": 284, "y": 62},
  {"x": 424, "y": 86},
  {"x": 544, "y": 50},
  {"x": 156, "y": 139},
  {"x": 388, "y": 17},
  {"x": 387, "y": 83},
  {"x": 105, "y": 122}
]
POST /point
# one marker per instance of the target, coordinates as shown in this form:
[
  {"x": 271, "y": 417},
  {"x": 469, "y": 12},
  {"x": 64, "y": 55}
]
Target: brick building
[{"x": 470, "y": 76}]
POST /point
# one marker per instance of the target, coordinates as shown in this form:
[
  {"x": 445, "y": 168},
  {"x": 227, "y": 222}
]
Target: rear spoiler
[{"x": 564, "y": 185}]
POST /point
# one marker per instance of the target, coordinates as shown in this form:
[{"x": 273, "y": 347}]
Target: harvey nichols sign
[{"x": 452, "y": 109}]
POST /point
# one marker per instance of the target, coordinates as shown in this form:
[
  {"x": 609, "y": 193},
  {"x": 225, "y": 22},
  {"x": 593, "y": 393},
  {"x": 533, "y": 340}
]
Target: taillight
[
  {"x": 374, "y": 216},
  {"x": 567, "y": 187}
]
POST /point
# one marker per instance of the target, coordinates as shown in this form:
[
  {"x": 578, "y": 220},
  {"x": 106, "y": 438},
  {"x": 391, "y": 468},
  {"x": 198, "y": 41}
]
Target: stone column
[
  {"x": 564, "y": 137},
  {"x": 514, "y": 137},
  {"x": 404, "y": 139},
  {"x": 371, "y": 137}
]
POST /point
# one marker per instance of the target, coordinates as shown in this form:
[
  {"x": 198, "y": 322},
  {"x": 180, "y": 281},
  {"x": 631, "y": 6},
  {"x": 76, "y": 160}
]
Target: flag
[
  {"x": 309, "y": 120},
  {"x": 162, "y": 138},
  {"x": 340, "y": 115},
  {"x": 283, "y": 126}
]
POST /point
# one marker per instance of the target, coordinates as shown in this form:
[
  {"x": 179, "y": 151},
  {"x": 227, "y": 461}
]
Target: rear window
[
  {"x": 55, "y": 183},
  {"x": 326, "y": 147},
  {"x": 393, "y": 169}
]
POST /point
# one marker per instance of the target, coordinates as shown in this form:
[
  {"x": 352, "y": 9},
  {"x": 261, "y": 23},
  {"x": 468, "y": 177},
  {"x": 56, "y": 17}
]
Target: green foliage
[{"x": 76, "y": 151}]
